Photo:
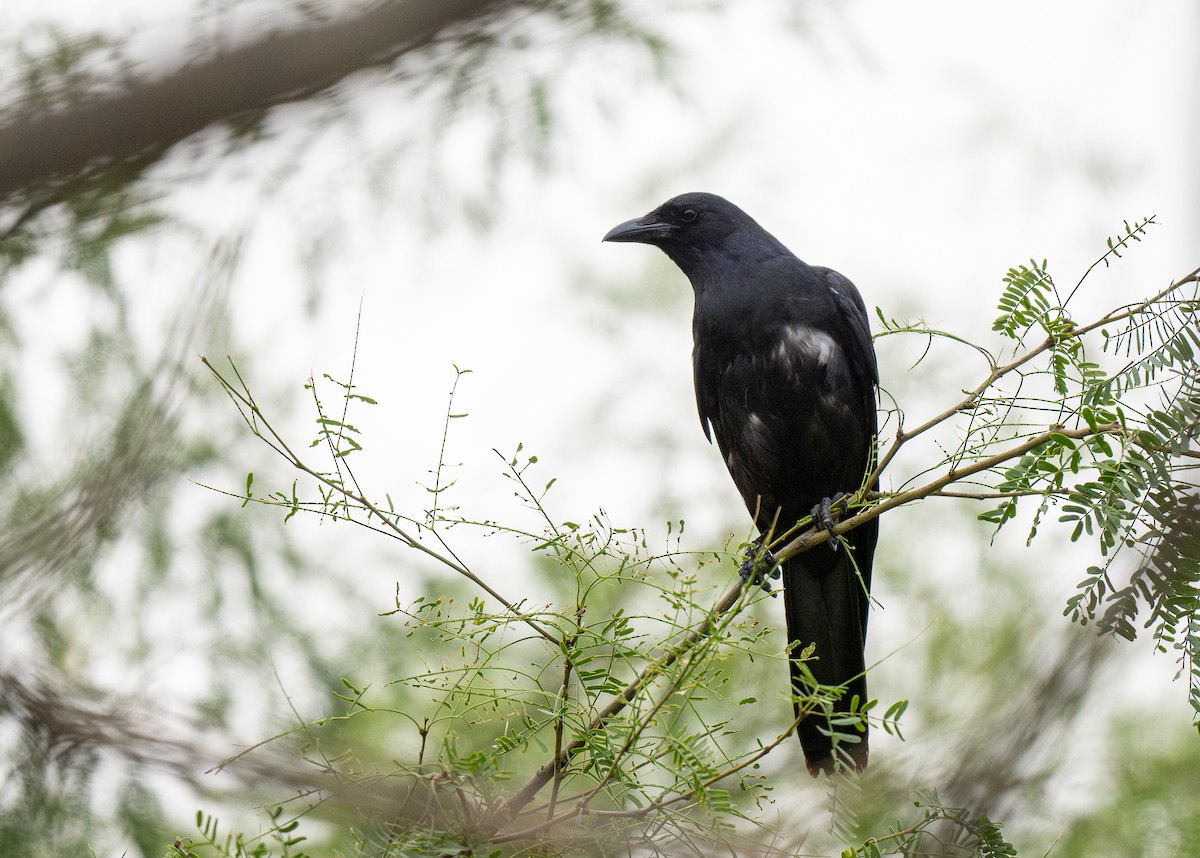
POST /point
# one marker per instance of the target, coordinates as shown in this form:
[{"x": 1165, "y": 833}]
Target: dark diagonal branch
[{"x": 155, "y": 114}]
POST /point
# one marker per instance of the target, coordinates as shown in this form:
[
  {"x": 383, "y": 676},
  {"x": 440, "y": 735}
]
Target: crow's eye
[{"x": 688, "y": 215}]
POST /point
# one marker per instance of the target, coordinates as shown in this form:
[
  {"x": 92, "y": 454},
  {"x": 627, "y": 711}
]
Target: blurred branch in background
[
  {"x": 76, "y": 132},
  {"x": 110, "y": 467},
  {"x": 1009, "y": 759},
  {"x": 146, "y": 116}
]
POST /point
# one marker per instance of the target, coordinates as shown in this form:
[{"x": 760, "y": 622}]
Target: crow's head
[
  {"x": 705, "y": 235},
  {"x": 694, "y": 219}
]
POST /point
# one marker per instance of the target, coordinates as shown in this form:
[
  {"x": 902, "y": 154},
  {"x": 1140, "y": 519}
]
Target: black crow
[{"x": 785, "y": 378}]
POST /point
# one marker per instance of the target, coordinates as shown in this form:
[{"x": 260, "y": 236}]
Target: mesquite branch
[{"x": 867, "y": 505}]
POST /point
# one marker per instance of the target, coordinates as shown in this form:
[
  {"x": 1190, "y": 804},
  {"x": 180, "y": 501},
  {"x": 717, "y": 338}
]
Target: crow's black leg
[
  {"x": 760, "y": 567},
  {"x": 823, "y": 516}
]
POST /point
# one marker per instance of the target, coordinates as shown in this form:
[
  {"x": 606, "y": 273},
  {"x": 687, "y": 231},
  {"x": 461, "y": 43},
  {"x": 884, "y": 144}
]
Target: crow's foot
[
  {"x": 823, "y": 517},
  {"x": 760, "y": 567}
]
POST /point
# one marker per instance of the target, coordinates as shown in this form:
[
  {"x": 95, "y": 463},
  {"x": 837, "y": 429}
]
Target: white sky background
[{"x": 920, "y": 148}]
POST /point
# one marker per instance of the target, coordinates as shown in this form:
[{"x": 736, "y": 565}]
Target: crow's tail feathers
[{"x": 825, "y": 602}]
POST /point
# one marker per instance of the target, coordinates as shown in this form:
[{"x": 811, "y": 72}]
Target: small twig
[
  {"x": 1123, "y": 241},
  {"x": 438, "y": 488},
  {"x": 340, "y": 461},
  {"x": 999, "y": 495},
  {"x": 563, "y": 697}
]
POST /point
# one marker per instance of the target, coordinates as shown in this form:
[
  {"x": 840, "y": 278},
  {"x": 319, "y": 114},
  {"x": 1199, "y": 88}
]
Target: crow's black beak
[{"x": 646, "y": 230}]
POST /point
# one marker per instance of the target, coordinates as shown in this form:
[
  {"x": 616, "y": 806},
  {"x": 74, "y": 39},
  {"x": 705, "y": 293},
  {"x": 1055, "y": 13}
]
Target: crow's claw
[
  {"x": 823, "y": 517},
  {"x": 760, "y": 567}
]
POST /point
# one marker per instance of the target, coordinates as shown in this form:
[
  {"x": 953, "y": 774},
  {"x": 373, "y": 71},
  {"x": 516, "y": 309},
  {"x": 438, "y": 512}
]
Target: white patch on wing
[
  {"x": 758, "y": 443},
  {"x": 808, "y": 343},
  {"x": 754, "y": 433}
]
